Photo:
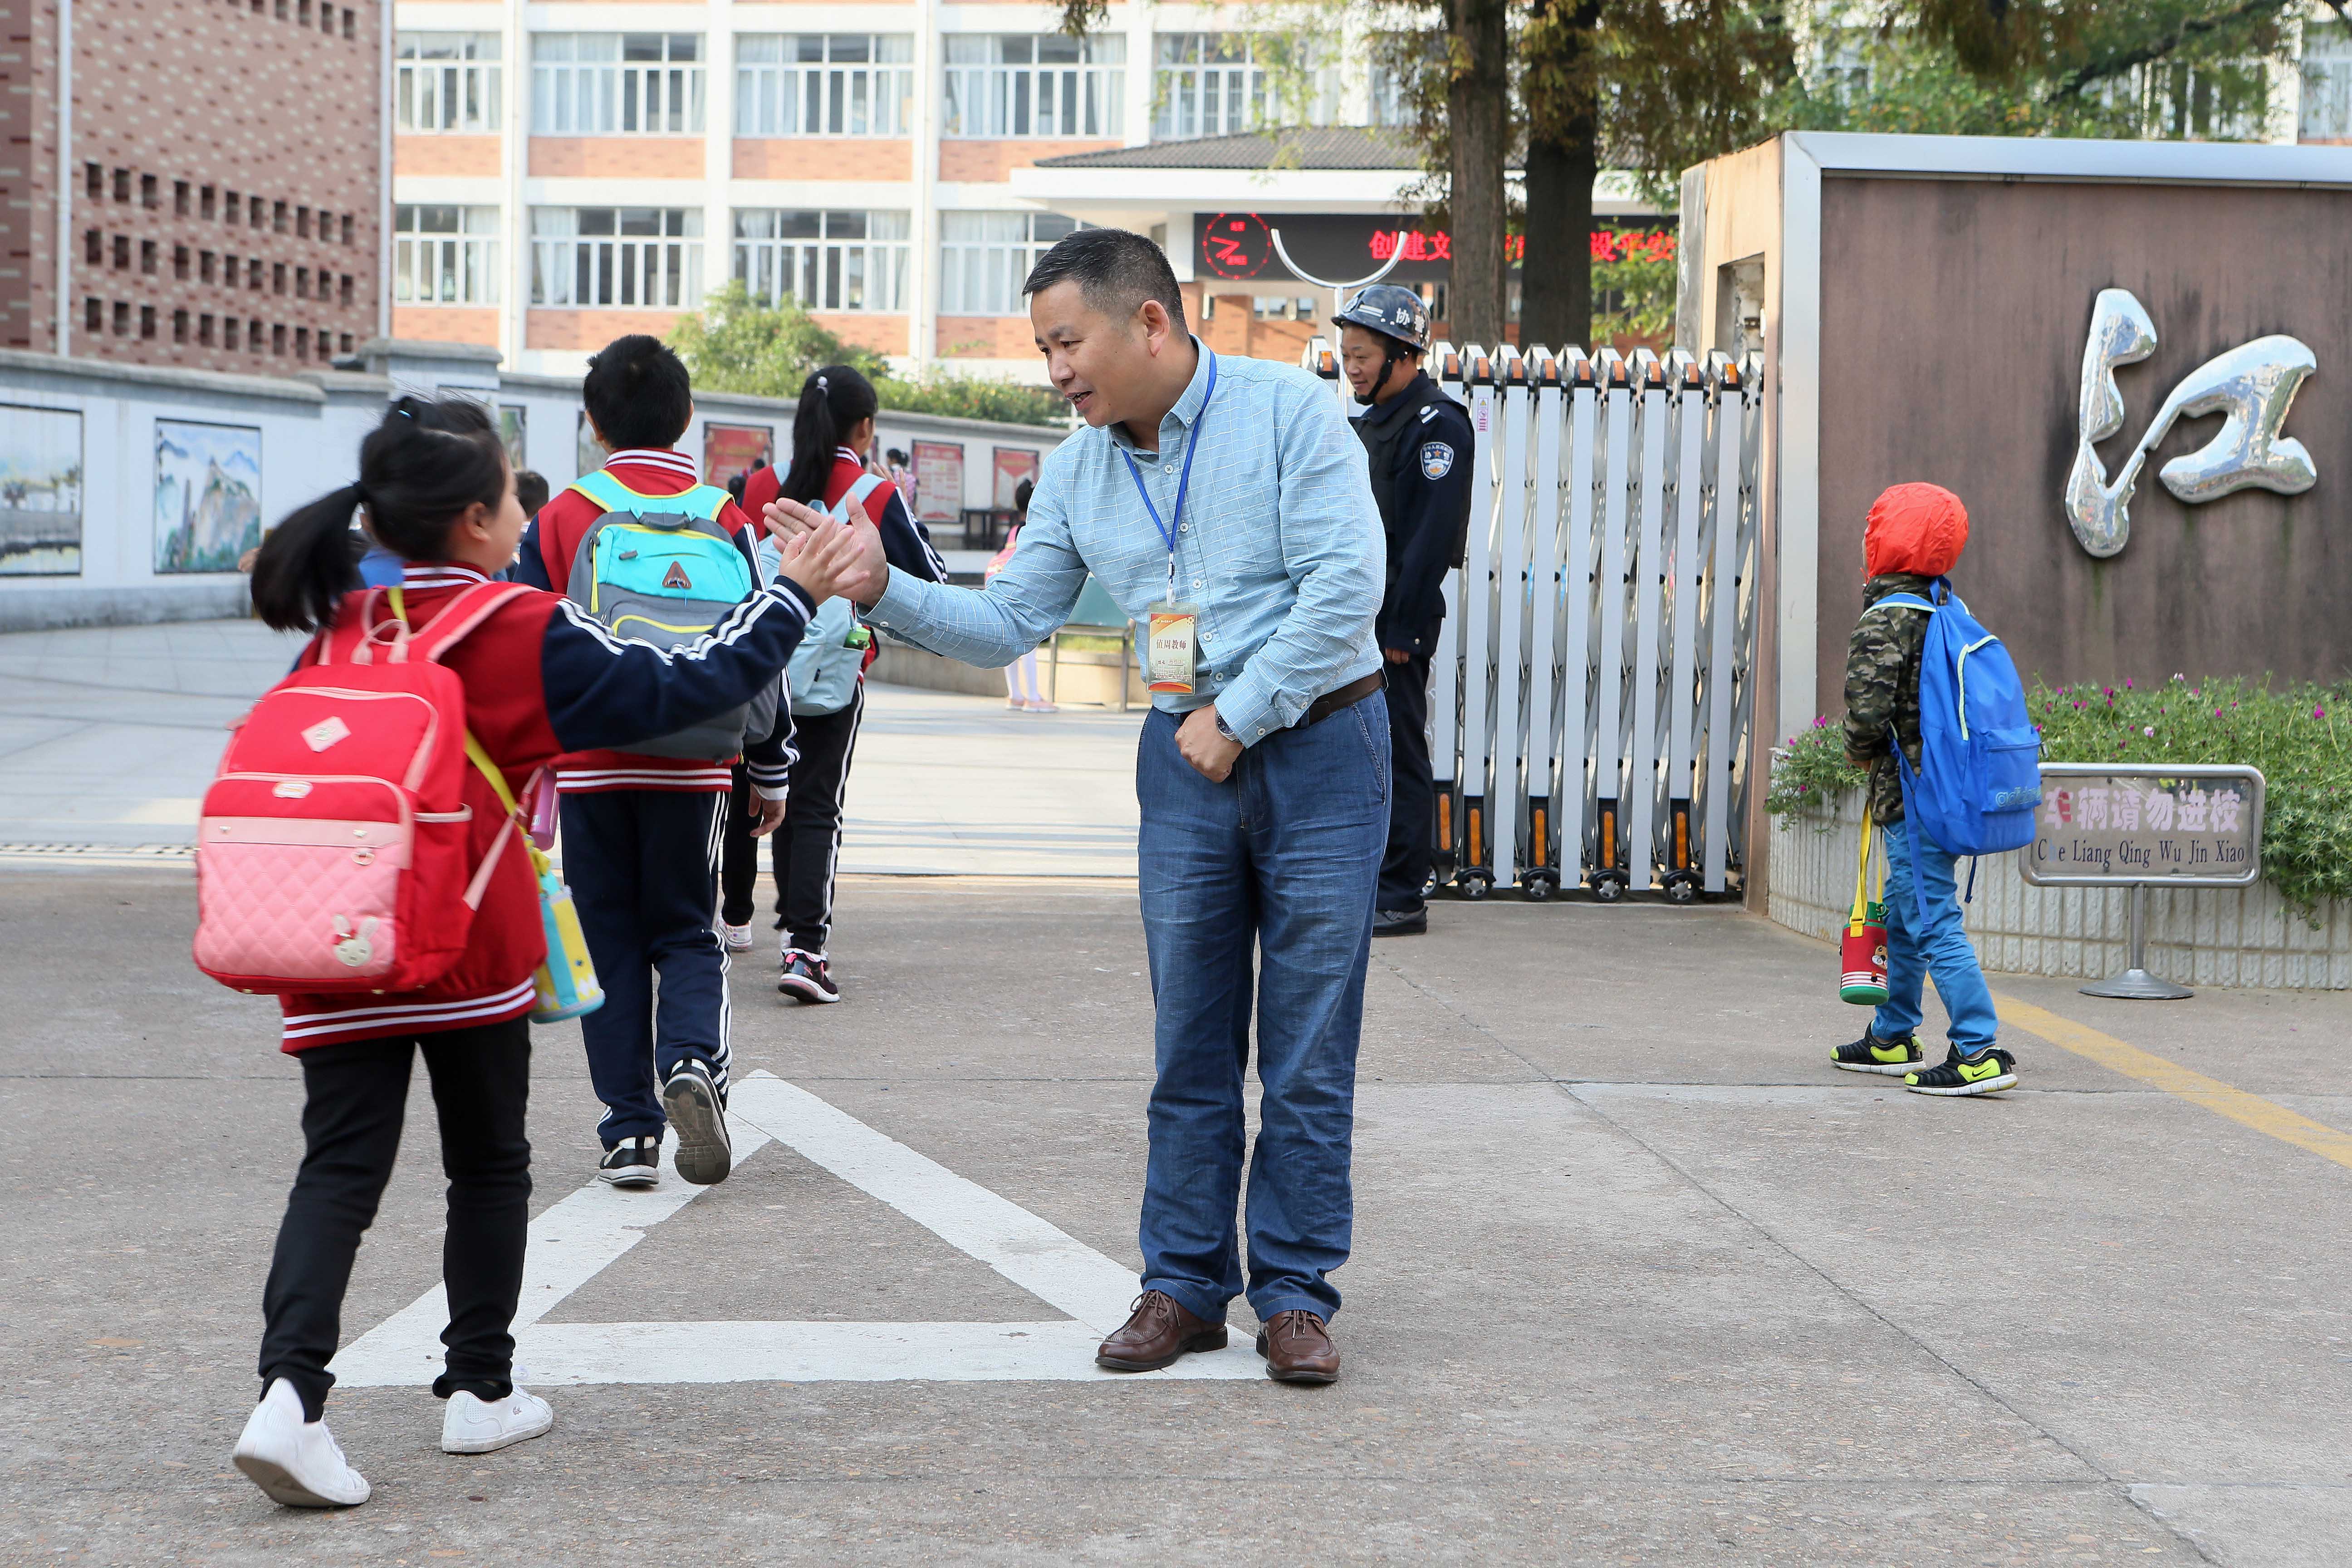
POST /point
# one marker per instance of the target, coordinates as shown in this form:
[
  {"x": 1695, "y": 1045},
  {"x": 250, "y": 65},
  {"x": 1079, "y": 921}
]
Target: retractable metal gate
[{"x": 1590, "y": 697}]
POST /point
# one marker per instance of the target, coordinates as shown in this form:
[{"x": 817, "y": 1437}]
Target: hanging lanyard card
[
  {"x": 1173, "y": 627},
  {"x": 1172, "y": 643}
]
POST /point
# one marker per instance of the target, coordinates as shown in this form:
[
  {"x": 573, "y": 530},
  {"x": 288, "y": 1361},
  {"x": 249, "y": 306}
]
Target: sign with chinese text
[
  {"x": 1238, "y": 247},
  {"x": 938, "y": 481},
  {"x": 1013, "y": 464},
  {"x": 2187, "y": 825},
  {"x": 731, "y": 449}
]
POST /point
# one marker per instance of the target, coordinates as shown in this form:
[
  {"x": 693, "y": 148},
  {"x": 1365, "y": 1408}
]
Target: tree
[
  {"x": 1477, "y": 116},
  {"x": 1559, "y": 56},
  {"x": 736, "y": 343}
]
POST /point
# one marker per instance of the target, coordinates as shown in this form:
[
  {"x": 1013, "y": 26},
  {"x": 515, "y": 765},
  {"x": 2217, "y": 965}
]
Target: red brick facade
[{"x": 224, "y": 179}]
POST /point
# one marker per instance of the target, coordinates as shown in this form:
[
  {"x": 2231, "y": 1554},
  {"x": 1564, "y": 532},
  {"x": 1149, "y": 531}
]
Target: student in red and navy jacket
[
  {"x": 542, "y": 680},
  {"x": 833, "y": 432},
  {"x": 640, "y": 834}
]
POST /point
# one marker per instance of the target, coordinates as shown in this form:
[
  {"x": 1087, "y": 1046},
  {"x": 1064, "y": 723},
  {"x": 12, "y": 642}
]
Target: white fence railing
[{"x": 1590, "y": 701}]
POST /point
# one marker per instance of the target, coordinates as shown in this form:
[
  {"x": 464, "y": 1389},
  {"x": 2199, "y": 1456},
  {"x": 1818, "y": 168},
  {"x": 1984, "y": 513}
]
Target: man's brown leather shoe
[
  {"x": 1298, "y": 1349},
  {"x": 1159, "y": 1332}
]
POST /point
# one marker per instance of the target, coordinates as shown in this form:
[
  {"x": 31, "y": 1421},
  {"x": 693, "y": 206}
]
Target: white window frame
[
  {"x": 853, "y": 263},
  {"x": 824, "y": 84},
  {"x": 451, "y": 93},
  {"x": 581, "y": 259},
  {"x": 2326, "y": 113},
  {"x": 987, "y": 97},
  {"x": 606, "y": 84},
  {"x": 434, "y": 264},
  {"x": 984, "y": 257},
  {"x": 1230, "y": 84}
]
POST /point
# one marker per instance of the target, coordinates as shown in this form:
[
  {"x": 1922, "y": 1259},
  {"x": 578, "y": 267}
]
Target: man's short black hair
[
  {"x": 1115, "y": 270},
  {"x": 531, "y": 490},
  {"x": 638, "y": 393}
]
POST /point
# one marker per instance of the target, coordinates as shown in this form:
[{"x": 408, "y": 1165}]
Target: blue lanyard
[{"x": 1184, "y": 480}]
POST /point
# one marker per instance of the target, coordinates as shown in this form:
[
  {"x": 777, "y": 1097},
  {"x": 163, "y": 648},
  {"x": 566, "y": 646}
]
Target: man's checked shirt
[{"x": 1280, "y": 546}]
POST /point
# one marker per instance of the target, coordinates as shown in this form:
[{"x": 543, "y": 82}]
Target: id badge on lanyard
[{"x": 1172, "y": 644}]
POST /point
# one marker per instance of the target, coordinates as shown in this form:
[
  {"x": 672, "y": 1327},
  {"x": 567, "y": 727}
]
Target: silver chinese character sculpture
[{"x": 2252, "y": 386}]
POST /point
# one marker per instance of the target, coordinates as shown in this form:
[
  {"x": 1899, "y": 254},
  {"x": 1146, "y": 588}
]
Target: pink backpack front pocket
[{"x": 301, "y": 903}]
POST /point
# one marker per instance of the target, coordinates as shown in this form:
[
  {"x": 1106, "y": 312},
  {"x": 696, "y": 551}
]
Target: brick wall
[
  {"x": 995, "y": 161},
  {"x": 824, "y": 157},
  {"x": 28, "y": 123},
  {"x": 617, "y": 157},
  {"x": 194, "y": 120},
  {"x": 447, "y": 154},
  {"x": 986, "y": 337}
]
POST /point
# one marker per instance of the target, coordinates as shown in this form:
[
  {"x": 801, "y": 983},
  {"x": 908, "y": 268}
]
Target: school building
[
  {"x": 567, "y": 171},
  {"x": 196, "y": 183}
]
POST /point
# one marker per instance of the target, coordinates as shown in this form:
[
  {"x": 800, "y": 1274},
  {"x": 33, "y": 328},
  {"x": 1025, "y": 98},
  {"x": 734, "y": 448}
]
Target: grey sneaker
[{"x": 697, "y": 1114}]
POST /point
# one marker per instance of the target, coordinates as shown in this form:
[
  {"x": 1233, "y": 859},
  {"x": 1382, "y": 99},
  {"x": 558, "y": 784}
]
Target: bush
[
  {"x": 2295, "y": 735},
  {"x": 736, "y": 343}
]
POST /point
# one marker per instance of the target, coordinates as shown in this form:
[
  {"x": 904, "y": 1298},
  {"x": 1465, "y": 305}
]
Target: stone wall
[{"x": 2225, "y": 937}]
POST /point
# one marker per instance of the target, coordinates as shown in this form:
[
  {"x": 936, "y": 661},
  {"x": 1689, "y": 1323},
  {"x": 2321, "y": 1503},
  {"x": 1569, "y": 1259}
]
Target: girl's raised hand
[{"x": 821, "y": 559}]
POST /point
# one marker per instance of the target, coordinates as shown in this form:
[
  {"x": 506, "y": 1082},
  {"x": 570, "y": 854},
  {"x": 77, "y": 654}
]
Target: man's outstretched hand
[
  {"x": 823, "y": 561},
  {"x": 868, "y": 571}
]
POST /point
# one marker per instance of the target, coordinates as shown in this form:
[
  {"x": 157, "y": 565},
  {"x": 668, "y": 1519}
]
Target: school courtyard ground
[{"x": 1638, "y": 1278}]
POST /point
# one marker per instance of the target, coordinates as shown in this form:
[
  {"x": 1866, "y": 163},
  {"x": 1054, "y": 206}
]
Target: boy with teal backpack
[
  {"x": 652, "y": 555},
  {"x": 1935, "y": 715}
]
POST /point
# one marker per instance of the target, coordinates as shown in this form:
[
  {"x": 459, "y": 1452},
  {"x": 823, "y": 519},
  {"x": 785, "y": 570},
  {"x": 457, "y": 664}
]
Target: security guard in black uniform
[{"x": 1418, "y": 442}]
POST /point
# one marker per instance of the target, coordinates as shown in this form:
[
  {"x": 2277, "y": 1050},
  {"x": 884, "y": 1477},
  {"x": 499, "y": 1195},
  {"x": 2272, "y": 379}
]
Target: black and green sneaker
[
  {"x": 1989, "y": 1072},
  {"x": 1890, "y": 1058}
]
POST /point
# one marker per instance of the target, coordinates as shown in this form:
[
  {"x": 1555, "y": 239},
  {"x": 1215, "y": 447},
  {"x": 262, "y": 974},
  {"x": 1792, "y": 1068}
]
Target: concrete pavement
[
  {"x": 1638, "y": 1278},
  {"x": 108, "y": 736}
]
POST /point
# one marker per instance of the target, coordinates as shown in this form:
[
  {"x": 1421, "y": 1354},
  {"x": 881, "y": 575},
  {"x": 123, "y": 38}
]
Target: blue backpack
[
  {"x": 664, "y": 570},
  {"x": 1979, "y": 774}
]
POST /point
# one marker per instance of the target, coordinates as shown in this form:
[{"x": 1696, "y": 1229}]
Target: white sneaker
[
  {"x": 297, "y": 1462},
  {"x": 738, "y": 938},
  {"x": 476, "y": 1426}
]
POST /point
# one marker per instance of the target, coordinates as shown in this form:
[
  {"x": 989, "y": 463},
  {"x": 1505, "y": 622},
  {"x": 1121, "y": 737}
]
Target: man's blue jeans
[
  {"x": 1282, "y": 857},
  {"x": 1940, "y": 947}
]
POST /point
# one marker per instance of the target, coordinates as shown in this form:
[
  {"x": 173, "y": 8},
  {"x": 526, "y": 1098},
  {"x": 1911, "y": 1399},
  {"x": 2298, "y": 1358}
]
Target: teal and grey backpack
[{"x": 664, "y": 570}]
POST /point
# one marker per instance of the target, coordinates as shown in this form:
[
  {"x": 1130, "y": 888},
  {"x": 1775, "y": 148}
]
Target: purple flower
[
  {"x": 2128, "y": 685},
  {"x": 2149, "y": 731},
  {"x": 2319, "y": 712}
]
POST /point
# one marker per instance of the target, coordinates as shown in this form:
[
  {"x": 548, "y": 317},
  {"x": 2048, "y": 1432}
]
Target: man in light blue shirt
[{"x": 1225, "y": 504}]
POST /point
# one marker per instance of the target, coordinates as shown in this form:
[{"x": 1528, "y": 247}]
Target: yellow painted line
[{"x": 2159, "y": 1072}]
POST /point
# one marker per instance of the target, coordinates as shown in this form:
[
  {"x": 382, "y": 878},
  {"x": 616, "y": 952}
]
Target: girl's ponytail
[
  {"x": 307, "y": 564},
  {"x": 419, "y": 470},
  {"x": 832, "y": 402}
]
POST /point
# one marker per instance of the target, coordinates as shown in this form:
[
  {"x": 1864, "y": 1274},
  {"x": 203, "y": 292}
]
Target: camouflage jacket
[{"x": 1882, "y": 686}]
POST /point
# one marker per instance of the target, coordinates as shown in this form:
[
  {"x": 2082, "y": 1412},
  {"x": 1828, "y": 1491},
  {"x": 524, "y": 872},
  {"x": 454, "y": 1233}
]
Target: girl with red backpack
[{"x": 444, "y": 967}]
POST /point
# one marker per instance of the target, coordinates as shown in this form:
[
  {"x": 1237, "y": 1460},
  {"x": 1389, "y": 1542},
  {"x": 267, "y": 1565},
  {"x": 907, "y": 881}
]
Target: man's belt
[{"x": 1347, "y": 696}]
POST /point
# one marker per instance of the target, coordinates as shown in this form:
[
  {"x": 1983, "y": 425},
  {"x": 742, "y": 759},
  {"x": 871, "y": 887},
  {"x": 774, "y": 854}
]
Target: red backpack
[{"x": 330, "y": 852}]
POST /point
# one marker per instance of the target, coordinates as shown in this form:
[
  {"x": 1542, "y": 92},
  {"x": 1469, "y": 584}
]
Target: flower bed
[
  {"x": 2294, "y": 929},
  {"x": 2295, "y": 735}
]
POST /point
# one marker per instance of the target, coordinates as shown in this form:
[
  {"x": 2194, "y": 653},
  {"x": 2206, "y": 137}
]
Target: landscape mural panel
[
  {"x": 40, "y": 491},
  {"x": 207, "y": 495}
]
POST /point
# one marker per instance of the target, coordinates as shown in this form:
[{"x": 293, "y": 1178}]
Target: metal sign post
[{"x": 2181, "y": 826}]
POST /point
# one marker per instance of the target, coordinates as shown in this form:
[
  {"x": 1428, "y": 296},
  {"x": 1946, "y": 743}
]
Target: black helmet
[{"x": 1391, "y": 310}]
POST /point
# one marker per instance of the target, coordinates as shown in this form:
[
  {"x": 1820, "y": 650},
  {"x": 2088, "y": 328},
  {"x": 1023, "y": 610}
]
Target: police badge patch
[{"x": 1436, "y": 460}]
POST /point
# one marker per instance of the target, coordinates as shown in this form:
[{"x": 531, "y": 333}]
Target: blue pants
[
  {"x": 642, "y": 867},
  {"x": 1279, "y": 864},
  {"x": 1940, "y": 947}
]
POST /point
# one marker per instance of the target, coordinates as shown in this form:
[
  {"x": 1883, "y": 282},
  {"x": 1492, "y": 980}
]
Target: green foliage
[
  {"x": 1633, "y": 288},
  {"x": 2299, "y": 736},
  {"x": 736, "y": 343},
  {"x": 975, "y": 397},
  {"x": 2142, "y": 69}
]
